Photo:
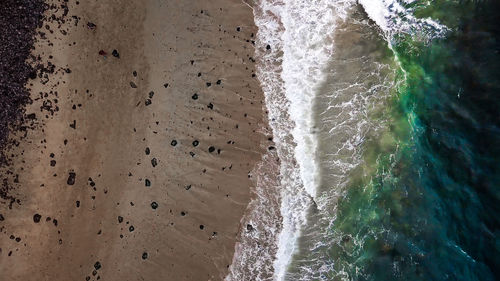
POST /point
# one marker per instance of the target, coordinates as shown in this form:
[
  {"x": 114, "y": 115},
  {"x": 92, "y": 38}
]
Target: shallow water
[{"x": 390, "y": 142}]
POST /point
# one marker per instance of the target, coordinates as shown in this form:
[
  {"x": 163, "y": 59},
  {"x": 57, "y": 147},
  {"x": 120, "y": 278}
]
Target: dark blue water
[{"x": 431, "y": 211}]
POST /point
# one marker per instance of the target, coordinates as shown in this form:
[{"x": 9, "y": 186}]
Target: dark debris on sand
[{"x": 20, "y": 21}]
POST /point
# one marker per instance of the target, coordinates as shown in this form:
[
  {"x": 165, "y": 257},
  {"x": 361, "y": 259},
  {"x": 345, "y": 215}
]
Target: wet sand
[{"x": 140, "y": 164}]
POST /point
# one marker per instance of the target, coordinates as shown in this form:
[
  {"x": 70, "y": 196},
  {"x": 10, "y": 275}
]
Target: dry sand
[{"x": 106, "y": 135}]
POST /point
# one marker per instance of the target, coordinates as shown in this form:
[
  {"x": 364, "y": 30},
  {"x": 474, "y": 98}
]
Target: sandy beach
[{"x": 146, "y": 133}]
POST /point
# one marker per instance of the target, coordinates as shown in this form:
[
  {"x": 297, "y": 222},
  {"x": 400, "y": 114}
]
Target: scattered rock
[
  {"x": 173, "y": 143},
  {"x": 115, "y": 54},
  {"x": 249, "y": 227},
  {"x": 195, "y": 143},
  {"x": 144, "y": 255},
  {"x": 131, "y": 228},
  {"x": 133, "y": 85},
  {"x": 120, "y": 219},
  {"x": 71, "y": 178},
  {"x": 37, "y": 218},
  {"x": 97, "y": 265},
  {"x": 211, "y": 149},
  {"x": 91, "y": 25},
  {"x": 154, "y": 205},
  {"x": 147, "y": 183},
  {"x": 154, "y": 162},
  {"x": 195, "y": 97}
]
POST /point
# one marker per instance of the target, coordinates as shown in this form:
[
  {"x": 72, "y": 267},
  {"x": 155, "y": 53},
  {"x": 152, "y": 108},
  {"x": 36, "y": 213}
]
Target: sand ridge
[{"x": 152, "y": 145}]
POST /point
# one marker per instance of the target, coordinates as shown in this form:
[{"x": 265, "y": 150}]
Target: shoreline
[{"x": 147, "y": 149}]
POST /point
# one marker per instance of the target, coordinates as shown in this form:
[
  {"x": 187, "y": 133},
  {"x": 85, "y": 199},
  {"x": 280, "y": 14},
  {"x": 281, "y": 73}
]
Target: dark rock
[
  {"x": 151, "y": 94},
  {"x": 195, "y": 96},
  {"x": 147, "y": 183},
  {"x": 71, "y": 178},
  {"x": 249, "y": 227},
  {"x": 165, "y": 85},
  {"x": 133, "y": 85},
  {"x": 147, "y": 151},
  {"x": 154, "y": 162},
  {"x": 78, "y": 204},
  {"x": 202, "y": 226},
  {"x": 97, "y": 265},
  {"x": 37, "y": 218},
  {"x": 1, "y": 217},
  {"x": 195, "y": 143},
  {"x": 120, "y": 219},
  {"x": 218, "y": 82},
  {"x": 52, "y": 163},
  {"x": 154, "y": 205},
  {"x": 147, "y": 102},
  {"x": 91, "y": 25},
  {"x": 187, "y": 187},
  {"x": 131, "y": 228},
  {"x": 210, "y": 105},
  {"x": 144, "y": 255},
  {"x": 268, "y": 47},
  {"x": 238, "y": 29},
  {"x": 115, "y": 54},
  {"x": 209, "y": 84},
  {"x": 173, "y": 143},
  {"x": 211, "y": 149}
]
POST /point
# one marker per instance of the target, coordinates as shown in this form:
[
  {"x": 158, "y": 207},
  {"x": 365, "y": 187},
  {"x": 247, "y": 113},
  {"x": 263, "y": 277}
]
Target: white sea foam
[
  {"x": 300, "y": 35},
  {"x": 393, "y": 18}
]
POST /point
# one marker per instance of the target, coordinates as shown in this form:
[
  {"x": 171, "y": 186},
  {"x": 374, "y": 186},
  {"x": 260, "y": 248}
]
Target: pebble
[
  {"x": 97, "y": 265},
  {"x": 36, "y": 218},
  {"x": 71, "y": 178}
]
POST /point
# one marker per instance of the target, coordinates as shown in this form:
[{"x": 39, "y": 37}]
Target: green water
[{"x": 425, "y": 205}]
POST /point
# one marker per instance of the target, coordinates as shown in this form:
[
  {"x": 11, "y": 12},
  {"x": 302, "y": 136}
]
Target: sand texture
[{"x": 139, "y": 166}]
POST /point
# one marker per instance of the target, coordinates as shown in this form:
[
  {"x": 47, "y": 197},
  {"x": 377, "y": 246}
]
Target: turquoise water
[{"x": 426, "y": 203}]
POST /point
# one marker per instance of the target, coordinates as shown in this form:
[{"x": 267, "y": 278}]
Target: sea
[{"x": 386, "y": 120}]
